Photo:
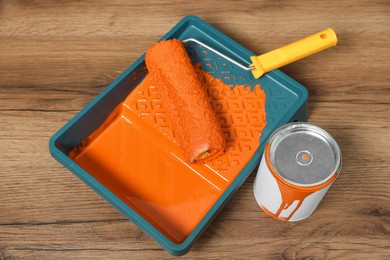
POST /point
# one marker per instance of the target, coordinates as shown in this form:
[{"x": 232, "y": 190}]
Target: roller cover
[{"x": 185, "y": 101}]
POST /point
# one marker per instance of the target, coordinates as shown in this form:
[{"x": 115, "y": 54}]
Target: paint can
[{"x": 299, "y": 164}]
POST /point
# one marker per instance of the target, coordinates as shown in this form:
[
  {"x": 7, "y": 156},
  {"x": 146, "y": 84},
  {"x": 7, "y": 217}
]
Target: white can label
[{"x": 283, "y": 202}]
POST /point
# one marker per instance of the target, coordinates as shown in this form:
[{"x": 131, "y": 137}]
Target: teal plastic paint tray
[{"x": 160, "y": 203}]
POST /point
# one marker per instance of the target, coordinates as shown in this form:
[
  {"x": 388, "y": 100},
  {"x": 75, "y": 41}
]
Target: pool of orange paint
[{"x": 134, "y": 154}]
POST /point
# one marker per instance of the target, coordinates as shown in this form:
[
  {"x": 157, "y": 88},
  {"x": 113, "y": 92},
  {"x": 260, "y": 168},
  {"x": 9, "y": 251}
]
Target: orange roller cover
[{"x": 185, "y": 101}]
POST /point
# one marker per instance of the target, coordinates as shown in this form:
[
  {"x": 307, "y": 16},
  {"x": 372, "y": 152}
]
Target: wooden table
[{"x": 56, "y": 56}]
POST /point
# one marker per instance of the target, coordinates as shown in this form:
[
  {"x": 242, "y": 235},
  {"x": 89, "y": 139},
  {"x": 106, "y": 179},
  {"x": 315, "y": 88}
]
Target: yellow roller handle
[{"x": 293, "y": 51}]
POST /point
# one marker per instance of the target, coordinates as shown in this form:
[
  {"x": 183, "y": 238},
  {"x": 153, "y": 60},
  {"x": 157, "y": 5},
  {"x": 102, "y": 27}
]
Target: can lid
[{"x": 304, "y": 155}]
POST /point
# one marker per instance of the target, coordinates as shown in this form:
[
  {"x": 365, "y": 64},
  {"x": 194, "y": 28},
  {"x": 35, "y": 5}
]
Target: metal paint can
[{"x": 299, "y": 164}]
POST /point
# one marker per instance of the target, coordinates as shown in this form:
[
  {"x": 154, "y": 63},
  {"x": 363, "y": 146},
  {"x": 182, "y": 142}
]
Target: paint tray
[{"x": 171, "y": 201}]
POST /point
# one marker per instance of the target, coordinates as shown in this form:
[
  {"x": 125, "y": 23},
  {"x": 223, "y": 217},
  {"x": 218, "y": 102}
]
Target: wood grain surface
[{"x": 56, "y": 56}]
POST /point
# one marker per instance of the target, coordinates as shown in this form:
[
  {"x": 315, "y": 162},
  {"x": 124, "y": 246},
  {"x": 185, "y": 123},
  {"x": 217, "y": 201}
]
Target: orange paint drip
[{"x": 135, "y": 154}]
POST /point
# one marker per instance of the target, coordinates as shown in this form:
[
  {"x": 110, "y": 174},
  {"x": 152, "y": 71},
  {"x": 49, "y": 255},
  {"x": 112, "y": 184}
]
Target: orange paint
[
  {"x": 290, "y": 192},
  {"x": 135, "y": 154},
  {"x": 185, "y": 101}
]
